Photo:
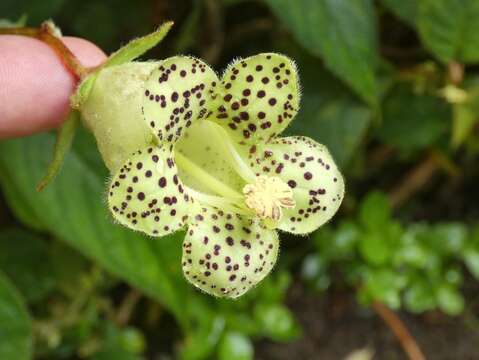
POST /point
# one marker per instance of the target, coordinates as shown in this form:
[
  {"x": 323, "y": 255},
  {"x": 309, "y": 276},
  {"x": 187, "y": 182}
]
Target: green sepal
[
  {"x": 127, "y": 53},
  {"x": 63, "y": 143},
  {"x": 138, "y": 46}
]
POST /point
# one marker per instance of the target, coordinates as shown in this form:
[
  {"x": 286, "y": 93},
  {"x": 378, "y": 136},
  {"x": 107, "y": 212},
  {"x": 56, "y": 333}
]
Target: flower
[{"x": 217, "y": 167}]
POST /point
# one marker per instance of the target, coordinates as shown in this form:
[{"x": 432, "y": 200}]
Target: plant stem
[
  {"x": 413, "y": 181},
  {"x": 46, "y": 33},
  {"x": 127, "y": 306},
  {"x": 409, "y": 345}
]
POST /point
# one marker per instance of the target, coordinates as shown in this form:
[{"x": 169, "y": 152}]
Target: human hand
[{"x": 35, "y": 86}]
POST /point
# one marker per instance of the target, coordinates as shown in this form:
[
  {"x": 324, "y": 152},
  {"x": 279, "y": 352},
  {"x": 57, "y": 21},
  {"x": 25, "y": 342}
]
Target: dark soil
[{"x": 334, "y": 325}]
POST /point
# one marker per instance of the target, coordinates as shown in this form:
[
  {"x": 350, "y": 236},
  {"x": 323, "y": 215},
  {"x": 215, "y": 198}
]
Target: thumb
[{"x": 35, "y": 86}]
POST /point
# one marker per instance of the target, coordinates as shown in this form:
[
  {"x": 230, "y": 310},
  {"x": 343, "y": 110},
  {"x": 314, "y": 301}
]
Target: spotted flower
[{"x": 217, "y": 168}]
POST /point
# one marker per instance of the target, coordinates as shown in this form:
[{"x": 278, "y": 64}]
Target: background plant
[{"x": 391, "y": 87}]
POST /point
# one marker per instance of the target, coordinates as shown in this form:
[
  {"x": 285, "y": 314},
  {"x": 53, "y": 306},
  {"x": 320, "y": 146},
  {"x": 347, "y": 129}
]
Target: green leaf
[
  {"x": 329, "y": 113},
  {"x": 315, "y": 271},
  {"x": 20, "y": 252},
  {"x": 453, "y": 275},
  {"x": 276, "y": 321},
  {"x": 15, "y": 324},
  {"x": 375, "y": 211},
  {"x": 411, "y": 253},
  {"x": 274, "y": 287},
  {"x": 419, "y": 297},
  {"x": 375, "y": 249},
  {"x": 448, "y": 238},
  {"x": 74, "y": 211},
  {"x": 69, "y": 267},
  {"x": 342, "y": 33},
  {"x": 339, "y": 244},
  {"x": 449, "y": 28},
  {"x": 189, "y": 29},
  {"x": 450, "y": 300},
  {"x": 413, "y": 121},
  {"x": 406, "y": 10},
  {"x": 340, "y": 125},
  {"x": 121, "y": 344},
  {"x": 36, "y": 11},
  {"x": 235, "y": 346},
  {"x": 201, "y": 343},
  {"x": 23, "y": 210},
  {"x": 384, "y": 285},
  {"x": 471, "y": 258}
]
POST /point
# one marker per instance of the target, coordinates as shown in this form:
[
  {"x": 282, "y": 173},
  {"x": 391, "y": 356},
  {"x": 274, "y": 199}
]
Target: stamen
[
  {"x": 267, "y": 196},
  {"x": 223, "y": 139},
  {"x": 219, "y": 202},
  {"x": 205, "y": 178}
]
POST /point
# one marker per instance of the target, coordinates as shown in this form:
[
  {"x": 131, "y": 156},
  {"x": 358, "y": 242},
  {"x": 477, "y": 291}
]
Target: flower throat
[{"x": 223, "y": 179}]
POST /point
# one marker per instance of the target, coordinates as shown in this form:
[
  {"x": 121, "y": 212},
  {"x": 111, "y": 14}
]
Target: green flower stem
[{"x": 205, "y": 178}]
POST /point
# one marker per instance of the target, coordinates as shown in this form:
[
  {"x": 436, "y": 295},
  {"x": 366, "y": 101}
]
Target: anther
[{"x": 267, "y": 196}]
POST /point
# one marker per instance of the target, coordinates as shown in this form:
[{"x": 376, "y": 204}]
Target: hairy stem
[{"x": 46, "y": 33}]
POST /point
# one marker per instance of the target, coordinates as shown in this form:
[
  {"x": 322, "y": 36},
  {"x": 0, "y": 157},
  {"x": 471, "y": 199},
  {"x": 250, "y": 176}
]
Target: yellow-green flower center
[
  {"x": 235, "y": 187},
  {"x": 267, "y": 196}
]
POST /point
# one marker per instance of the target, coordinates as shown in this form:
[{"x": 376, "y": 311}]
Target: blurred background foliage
[{"x": 391, "y": 87}]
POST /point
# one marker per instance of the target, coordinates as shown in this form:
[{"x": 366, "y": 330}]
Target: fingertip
[
  {"x": 88, "y": 53},
  {"x": 35, "y": 86}
]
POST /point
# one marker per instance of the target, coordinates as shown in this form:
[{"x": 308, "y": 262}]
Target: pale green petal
[
  {"x": 260, "y": 97},
  {"x": 226, "y": 254},
  {"x": 308, "y": 168},
  {"x": 200, "y": 144},
  {"x": 147, "y": 195},
  {"x": 177, "y": 94}
]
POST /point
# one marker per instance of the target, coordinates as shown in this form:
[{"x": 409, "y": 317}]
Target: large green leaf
[
  {"x": 342, "y": 32},
  {"x": 413, "y": 121},
  {"x": 15, "y": 324},
  {"x": 339, "y": 124},
  {"x": 73, "y": 209},
  {"x": 449, "y": 29},
  {"x": 235, "y": 346},
  {"x": 37, "y": 11},
  {"x": 19, "y": 254},
  {"x": 329, "y": 113},
  {"x": 406, "y": 10}
]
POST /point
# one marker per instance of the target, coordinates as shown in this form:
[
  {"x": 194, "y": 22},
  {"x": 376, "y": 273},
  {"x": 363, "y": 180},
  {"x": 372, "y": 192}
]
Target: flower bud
[{"x": 113, "y": 111}]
